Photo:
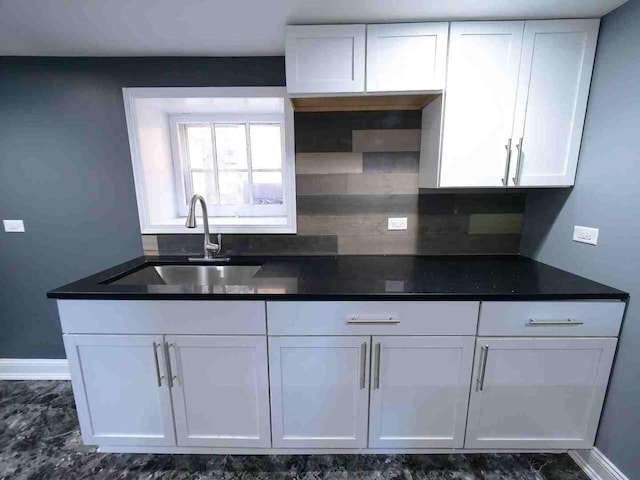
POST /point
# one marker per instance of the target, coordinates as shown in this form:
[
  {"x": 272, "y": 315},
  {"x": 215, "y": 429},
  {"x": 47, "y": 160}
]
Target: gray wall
[
  {"x": 65, "y": 169},
  {"x": 607, "y": 196}
]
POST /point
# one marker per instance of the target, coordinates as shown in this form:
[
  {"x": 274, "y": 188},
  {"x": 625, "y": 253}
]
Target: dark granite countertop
[{"x": 356, "y": 278}]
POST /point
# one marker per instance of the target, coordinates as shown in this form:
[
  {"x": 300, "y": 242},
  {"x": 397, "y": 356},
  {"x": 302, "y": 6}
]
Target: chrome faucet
[{"x": 210, "y": 249}]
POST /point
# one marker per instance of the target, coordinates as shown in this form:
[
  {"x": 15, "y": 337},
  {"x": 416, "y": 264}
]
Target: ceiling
[{"x": 230, "y": 27}]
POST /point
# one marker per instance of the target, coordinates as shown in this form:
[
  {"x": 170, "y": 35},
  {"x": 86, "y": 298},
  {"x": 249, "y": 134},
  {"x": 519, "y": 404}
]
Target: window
[
  {"x": 235, "y": 165},
  {"x": 233, "y": 146}
]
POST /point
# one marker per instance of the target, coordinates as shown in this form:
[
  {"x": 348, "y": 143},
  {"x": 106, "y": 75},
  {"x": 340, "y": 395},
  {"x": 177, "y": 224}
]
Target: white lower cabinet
[
  {"x": 125, "y": 385},
  {"x": 538, "y": 393},
  {"x": 341, "y": 376},
  {"x": 220, "y": 391},
  {"x": 420, "y": 391},
  {"x": 118, "y": 391},
  {"x": 319, "y": 391}
]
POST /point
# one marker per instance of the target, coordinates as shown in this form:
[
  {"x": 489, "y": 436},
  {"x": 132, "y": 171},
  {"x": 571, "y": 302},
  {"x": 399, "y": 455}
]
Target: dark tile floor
[{"x": 39, "y": 439}]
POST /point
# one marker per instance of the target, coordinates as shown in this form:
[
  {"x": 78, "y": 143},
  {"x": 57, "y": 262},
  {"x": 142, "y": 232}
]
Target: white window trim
[{"x": 268, "y": 224}]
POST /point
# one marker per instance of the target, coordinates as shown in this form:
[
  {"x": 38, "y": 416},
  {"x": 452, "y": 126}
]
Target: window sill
[{"x": 254, "y": 225}]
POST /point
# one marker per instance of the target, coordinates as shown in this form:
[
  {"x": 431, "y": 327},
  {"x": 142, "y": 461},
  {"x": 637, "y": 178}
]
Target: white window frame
[
  {"x": 182, "y": 172},
  {"x": 282, "y": 218}
]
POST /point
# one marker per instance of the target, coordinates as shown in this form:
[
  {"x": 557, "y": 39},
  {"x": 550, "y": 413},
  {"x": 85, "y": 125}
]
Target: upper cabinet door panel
[
  {"x": 406, "y": 57},
  {"x": 482, "y": 76},
  {"x": 557, "y": 60},
  {"x": 325, "y": 58}
]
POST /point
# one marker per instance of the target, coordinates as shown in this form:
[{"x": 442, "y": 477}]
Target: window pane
[
  {"x": 234, "y": 188},
  {"x": 203, "y": 184},
  {"x": 200, "y": 146},
  {"x": 266, "y": 148},
  {"x": 267, "y": 188},
  {"x": 231, "y": 147}
]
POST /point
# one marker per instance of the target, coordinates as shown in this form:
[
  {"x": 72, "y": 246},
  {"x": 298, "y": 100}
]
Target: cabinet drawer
[
  {"x": 372, "y": 318},
  {"x": 163, "y": 317},
  {"x": 551, "y": 319}
]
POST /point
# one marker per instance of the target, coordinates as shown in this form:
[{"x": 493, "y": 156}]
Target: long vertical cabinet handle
[
  {"x": 170, "y": 374},
  {"x": 516, "y": 178},
  {"x": 159, "y": 377},
  {"x": 376, "y": 379},
  {"x": 482, "y": 368},
  {"x": 363, "y": 365},
  {"x": 505, "y": 178}
]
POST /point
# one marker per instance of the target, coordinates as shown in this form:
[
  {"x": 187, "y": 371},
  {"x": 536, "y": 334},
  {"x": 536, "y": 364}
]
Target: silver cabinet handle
[
  {"x": 482, "y": 368},
  {"x": 363, "y": 365},
  {"x": 376, "y": 380},
  {"x": 563, "y": 322},
  {"x": 505, "y": 178},
  {"x": 170, "y": 374},
  {"x": 516, "y": 178},
  {"x": 159, "y": 377},
  {"x": 372, "y": 321}
]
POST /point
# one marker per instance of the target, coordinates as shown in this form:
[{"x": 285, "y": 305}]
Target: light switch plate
[
  {"x": 585, "y": 235},
  {"x": 13, "y": 225},
  {"x": 399, "y": 223}
]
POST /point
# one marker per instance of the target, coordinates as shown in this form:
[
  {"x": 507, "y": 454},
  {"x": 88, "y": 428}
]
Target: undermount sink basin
[{"x": 190, "y": 275}]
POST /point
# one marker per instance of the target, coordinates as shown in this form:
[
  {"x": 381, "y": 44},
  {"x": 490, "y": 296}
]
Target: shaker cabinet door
[
  {"x": 538, "y": 392},
  {"x": 325, "y": 58},
  {"x": 319, "y": 391},
  {"x": 553, "y": 86},
  {"x": 482, "y": 78},
  {"x": 420, "y": 391},
  {"x": 406, "y": 57},
  {"x": 220, "y": 390},
  {"x": 121, "y": 390}
]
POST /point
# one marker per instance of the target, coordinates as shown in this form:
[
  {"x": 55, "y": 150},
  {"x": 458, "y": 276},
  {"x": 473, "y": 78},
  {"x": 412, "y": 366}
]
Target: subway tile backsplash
[{"x": 354, "y": 170}]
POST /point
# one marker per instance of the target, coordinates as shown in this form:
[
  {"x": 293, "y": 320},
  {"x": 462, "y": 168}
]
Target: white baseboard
[
  {"x": 34, "y": 369},
  {"x": 596, "y": 465}
]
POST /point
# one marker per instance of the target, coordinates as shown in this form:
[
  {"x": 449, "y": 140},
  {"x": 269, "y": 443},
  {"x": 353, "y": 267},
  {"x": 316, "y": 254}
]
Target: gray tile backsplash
[{"x": 344, "y": 198}]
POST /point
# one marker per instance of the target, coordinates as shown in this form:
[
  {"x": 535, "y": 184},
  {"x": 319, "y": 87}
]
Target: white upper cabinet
[
  {"x": 325, "y": 58},
  {"x": 482, "y": 79},
  {"x": 406, "y": 57},
  {"x": 555, "y": 74},
  {"x": 538, "y": 393},
  {"x": 420, "y": 391},
  {"x": 220, "y": 390},
  {"x": 515, "y": 103}
]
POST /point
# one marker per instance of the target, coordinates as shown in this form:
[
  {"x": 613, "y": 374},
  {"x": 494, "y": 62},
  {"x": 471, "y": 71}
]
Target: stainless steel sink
[{"x": 191, "y": 275}]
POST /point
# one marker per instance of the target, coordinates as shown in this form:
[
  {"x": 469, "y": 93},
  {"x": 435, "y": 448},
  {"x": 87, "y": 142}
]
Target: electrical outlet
[
  {"x": 585, "y": 235},
  {"x": 399, "y": 223},
  {"x": 13, "y": 225}
]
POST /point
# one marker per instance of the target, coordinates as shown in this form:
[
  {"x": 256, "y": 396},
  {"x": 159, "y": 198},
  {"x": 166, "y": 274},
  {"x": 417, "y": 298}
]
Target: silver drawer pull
[
  {"x": 373, "y": 321},
  {"x": 564, "y": 322}
]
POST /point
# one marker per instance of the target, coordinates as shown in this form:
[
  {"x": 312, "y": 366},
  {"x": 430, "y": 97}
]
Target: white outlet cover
[
  {"x": 585, "y": 235},
  {"x": 399, "y": 223},
  {"x": 15, "y": 226}
]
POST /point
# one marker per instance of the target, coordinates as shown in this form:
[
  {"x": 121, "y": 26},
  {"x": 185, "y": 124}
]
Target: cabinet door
[
  {"x": 325, "y": 58},
  {"x": 120, "y": 388},
  {"x": 538, "y": 392},
  {"x": 220, "y": 390},
  {"x": 557, "y": 60},
  {"x": 406, "y": 57},
  {"x": 319, "y": 391},
  {"x": 420, "y": 391},
  {"x": 480, "y": 97}
]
